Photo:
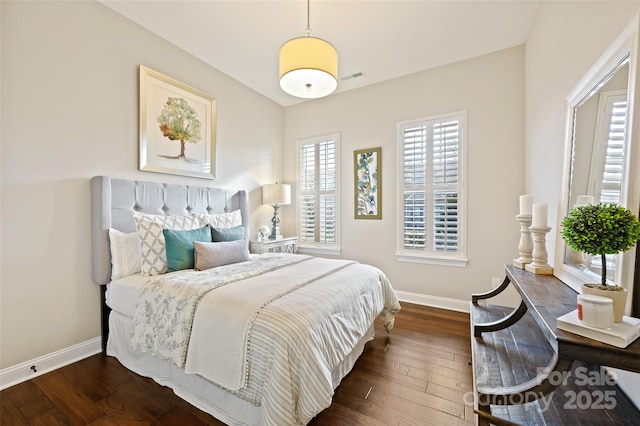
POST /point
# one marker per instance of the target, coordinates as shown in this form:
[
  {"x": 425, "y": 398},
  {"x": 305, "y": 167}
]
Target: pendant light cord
[{"x": 308, "y": 25}]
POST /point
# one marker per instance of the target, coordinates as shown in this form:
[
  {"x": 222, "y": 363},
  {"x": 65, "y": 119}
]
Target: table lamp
[{"x": 276, "y": 195}]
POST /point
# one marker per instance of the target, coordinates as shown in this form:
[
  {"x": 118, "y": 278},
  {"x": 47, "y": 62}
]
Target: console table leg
[
  {"x": 492, "y": 293},
  {"x": 529, "y": 391},
  {"x": 483, "y": 418},
  {"x": 505, "y": 322}
]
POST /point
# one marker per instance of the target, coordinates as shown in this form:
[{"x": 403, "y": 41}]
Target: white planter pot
[{"x": 619, "y": 299}]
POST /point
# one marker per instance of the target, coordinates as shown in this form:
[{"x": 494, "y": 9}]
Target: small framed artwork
[
  {"x": 177, "y": 127},
  {"x": 367, "y": 179}
]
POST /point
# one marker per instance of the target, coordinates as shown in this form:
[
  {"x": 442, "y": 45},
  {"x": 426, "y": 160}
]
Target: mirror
[
  {"x": 597, "y": 169},
  {"x": 598, "y": 154}
]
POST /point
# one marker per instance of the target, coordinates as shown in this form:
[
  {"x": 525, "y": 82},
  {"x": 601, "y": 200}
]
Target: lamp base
[{"x": 275, "y": 229}]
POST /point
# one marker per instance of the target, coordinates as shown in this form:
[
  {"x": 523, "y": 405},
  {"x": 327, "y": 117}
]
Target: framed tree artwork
[
  {"x": 367, "y": 179},
  {"x": 177, "y": 127}
]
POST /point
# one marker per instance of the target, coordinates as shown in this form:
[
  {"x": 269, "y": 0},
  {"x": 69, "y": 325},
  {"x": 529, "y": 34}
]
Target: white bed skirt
[{"x": 199, "y": 392}]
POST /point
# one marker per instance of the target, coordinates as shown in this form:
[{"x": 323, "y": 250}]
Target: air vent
[{"x": 352, "y": 76}]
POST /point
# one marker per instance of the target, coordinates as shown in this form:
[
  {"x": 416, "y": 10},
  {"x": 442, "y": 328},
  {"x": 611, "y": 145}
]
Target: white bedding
[
  {"x": 236, "y": 306},
  {"x": 296, "y": 345},
  {"x": 122, "y": 294},
  {"x": 224, "y": 406}
]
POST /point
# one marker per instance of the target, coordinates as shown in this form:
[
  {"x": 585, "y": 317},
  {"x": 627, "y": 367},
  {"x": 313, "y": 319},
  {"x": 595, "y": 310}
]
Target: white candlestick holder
[
  {"x": 539, "y": 264},
  {"x": 576, "y": 258},
  {"x": 526, "y": 245}
]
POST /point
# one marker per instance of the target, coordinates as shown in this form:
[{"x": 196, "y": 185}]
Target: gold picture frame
[
  {"x": 367, "y": 167},
  {"x": 177, "y": 127}
]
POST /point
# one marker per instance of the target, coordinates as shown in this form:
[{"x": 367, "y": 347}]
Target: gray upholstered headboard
[{"x": 113, "y": 201}]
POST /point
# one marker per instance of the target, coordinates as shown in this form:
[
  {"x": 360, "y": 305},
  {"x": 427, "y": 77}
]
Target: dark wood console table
[{"x": 520, "y": 359}]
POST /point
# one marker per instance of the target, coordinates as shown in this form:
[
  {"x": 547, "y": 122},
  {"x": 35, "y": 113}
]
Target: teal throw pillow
[
  {"x": 179, "y": 246},
  {"x": 227, "y": 234}
]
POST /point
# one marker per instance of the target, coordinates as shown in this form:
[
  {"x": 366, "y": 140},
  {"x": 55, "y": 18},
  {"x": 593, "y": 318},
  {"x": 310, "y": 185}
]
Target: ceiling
[{"x": 381, "y": 39}]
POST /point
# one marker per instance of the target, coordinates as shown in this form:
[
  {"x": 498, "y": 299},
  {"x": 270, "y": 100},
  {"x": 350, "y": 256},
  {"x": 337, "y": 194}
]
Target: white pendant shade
[{"x": 308, "y": 67}]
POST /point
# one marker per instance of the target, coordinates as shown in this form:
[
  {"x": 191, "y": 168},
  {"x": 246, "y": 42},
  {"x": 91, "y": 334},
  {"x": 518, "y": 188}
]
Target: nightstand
[{"x": 283, "y": 245}]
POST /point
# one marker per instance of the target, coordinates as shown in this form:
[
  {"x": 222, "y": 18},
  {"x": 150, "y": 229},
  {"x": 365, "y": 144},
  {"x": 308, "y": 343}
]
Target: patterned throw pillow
[
  {"x": 153, "y": 257},
  {"x": 221, "y": 220}
]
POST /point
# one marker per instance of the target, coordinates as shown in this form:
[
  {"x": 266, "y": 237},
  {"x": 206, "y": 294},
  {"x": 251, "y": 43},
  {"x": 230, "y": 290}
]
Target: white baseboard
[
  {"x": 434, "y": 301},
  {"x": 22, "y": 372}
]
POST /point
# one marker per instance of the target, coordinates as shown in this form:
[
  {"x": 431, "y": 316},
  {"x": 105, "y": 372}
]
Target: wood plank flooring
[{"x": 418, "y": 375}]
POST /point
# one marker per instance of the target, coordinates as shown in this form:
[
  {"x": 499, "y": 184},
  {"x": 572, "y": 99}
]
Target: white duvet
[
  {"x": 235, "y": 307},
  {"x": 257, "y": 337}
]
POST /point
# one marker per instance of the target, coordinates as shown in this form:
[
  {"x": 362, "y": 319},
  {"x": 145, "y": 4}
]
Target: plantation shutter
[
  {"x": 317, "y": 193},
  {"x": 327, "y": 192},
  {"x": 611, "y": 184},
  {"x": 445, "y": 184},
  {"x": 415, "y": 176},
  {"x": 307, "y": 194},
  {"x": 431, "y": 185}
]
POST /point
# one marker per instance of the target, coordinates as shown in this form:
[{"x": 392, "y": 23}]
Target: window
[
  {"x": 431, "y": 208},
  {"x": 318, "y": 179}
]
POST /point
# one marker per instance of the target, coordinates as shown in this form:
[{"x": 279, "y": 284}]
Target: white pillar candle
[
  {"x": 583, "y": 200},
  {"x": 539, "y": 215},
  {"x": 526, "y": 201}
]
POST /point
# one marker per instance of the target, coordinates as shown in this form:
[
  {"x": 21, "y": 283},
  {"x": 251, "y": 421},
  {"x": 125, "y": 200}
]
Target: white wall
[
  {"x": 566, "y": 40},
  {"x": 491, "y": 89},
  {"x": 69, "y": 112}
]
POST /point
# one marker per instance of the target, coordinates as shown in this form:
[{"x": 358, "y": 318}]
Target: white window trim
[
  {"x": 320, "y": 248},
  {"x": 323, "y": 251},
  {"x": 404, "y": 255},
  {"x": 432, "y": 260}
]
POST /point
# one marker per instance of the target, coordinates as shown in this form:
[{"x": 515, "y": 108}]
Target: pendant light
[{"x": 308, "y": 66}]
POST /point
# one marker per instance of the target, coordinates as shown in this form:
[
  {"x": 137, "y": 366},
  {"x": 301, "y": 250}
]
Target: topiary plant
[{"x": 601, "y": 229}]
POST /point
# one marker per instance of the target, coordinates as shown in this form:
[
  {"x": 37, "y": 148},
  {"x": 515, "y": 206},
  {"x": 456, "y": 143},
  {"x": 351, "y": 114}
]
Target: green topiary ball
[{"x": 600, "y": 229}]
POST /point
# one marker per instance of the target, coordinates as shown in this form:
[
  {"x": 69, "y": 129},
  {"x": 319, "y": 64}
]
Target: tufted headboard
[{"x": 113, "y": 201}]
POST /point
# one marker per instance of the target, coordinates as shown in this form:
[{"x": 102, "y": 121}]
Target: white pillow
[
  {"x": 153, "y": 256},
  {"x": 221, "y": 220},
  {"x": 125, "y": 253},
  {"x": 210, "y": 255}
]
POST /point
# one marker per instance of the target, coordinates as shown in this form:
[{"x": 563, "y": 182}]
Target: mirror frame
[{"x": 625, "y": 44}]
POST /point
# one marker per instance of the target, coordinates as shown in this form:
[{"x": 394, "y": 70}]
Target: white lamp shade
[
  {"x": 308, "y": 67},
  {"x": 276, "y": 193}
]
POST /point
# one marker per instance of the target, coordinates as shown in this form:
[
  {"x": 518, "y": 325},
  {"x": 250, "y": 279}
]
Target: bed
[{"x": 250, "y": 339}]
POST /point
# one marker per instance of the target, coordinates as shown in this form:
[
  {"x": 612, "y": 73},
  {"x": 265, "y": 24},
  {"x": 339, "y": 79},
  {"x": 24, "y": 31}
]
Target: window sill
[
  {"x": 443, "y": 261},
  {"x": 325, "y": 251}
]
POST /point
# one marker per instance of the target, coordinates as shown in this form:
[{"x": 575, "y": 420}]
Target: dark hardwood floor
[{"x": 418, "y": 375}]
